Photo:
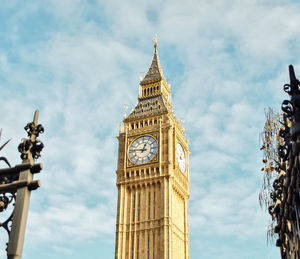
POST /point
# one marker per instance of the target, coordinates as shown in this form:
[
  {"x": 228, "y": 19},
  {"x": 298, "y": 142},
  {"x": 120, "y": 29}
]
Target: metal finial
[
  {"x": 155, "y": 41},
  {"x": 31, "y": 147},
  {"x": 125, "y": 110},
  {"x": 35, "y": 117},
  {"x": 293, "y": 79}
]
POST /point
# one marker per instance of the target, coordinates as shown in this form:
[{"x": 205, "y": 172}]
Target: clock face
[
  {"x": 180, "y": 157},
  {"x": 143, "y": 150}
]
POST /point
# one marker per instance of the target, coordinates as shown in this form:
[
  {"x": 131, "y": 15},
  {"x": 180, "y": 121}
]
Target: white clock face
[
  {"x": 143, "y": 150},
  {"x": 180, "y": 157}
]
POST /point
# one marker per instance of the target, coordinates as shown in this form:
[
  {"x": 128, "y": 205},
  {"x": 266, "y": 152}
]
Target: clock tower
[{"x": 152, "y": 176}]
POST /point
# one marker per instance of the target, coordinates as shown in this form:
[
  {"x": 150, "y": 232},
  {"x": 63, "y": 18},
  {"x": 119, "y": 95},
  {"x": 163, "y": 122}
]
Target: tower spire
[
  {"x": 155, "y": 42},
  {"x": 154, "y": 73}
]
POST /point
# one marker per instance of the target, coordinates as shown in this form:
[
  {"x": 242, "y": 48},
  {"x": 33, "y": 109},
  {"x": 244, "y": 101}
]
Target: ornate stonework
[{"x": 153, "y": 190}]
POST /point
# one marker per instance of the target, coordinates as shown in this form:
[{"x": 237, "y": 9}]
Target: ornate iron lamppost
[{"x": 16, "y": 184}]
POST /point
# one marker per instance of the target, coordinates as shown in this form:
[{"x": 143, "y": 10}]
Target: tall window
[
  {"x": 139, "y": 204},
  {"x": 154, "y": 205},
  {"x": 153, "y": 245},
  {"x": 132, "y": 247},
  {"x": 133, "y": 208},
  {"x": 137, "y": 248},
  {"x": 148, "y": 249},
  {"x": 149, "y": 203}
]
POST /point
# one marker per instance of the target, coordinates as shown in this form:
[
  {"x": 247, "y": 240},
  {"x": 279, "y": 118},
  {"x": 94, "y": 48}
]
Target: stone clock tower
[{"x": 152, "y": 176}]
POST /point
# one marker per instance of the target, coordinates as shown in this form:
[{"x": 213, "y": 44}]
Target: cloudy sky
[{"x": 79, "y": 62}]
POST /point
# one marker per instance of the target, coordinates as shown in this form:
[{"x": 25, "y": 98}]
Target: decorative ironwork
[
  {"x": 7, "y": 199},
  {"x": 2, "y": 158},
  {"x": 34, "y": 146},
  {"x": 285, "y": 194},
  {"x": 16, "y": 183}
]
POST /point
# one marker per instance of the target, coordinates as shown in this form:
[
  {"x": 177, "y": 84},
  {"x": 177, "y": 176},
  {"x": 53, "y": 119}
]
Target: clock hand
[
  {"x": 144, "y": 148},
  {"x": 140, "y": 149}
]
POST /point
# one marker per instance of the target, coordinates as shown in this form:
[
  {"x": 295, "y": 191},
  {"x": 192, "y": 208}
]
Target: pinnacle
[{"x": 154, "y": 73}]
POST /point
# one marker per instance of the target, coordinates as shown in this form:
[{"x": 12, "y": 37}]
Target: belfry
[{"x": 152, "y": 176}]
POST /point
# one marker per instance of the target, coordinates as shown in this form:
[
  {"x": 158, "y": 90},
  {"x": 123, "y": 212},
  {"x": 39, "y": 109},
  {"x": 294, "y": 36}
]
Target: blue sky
[{"x": 80, "y": 62}]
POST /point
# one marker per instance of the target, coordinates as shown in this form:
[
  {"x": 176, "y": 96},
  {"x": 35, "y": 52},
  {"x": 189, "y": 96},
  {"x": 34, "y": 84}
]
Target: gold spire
[
  {"x": 154, "y": 73},
  {"x": 155, "y": 42}
]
